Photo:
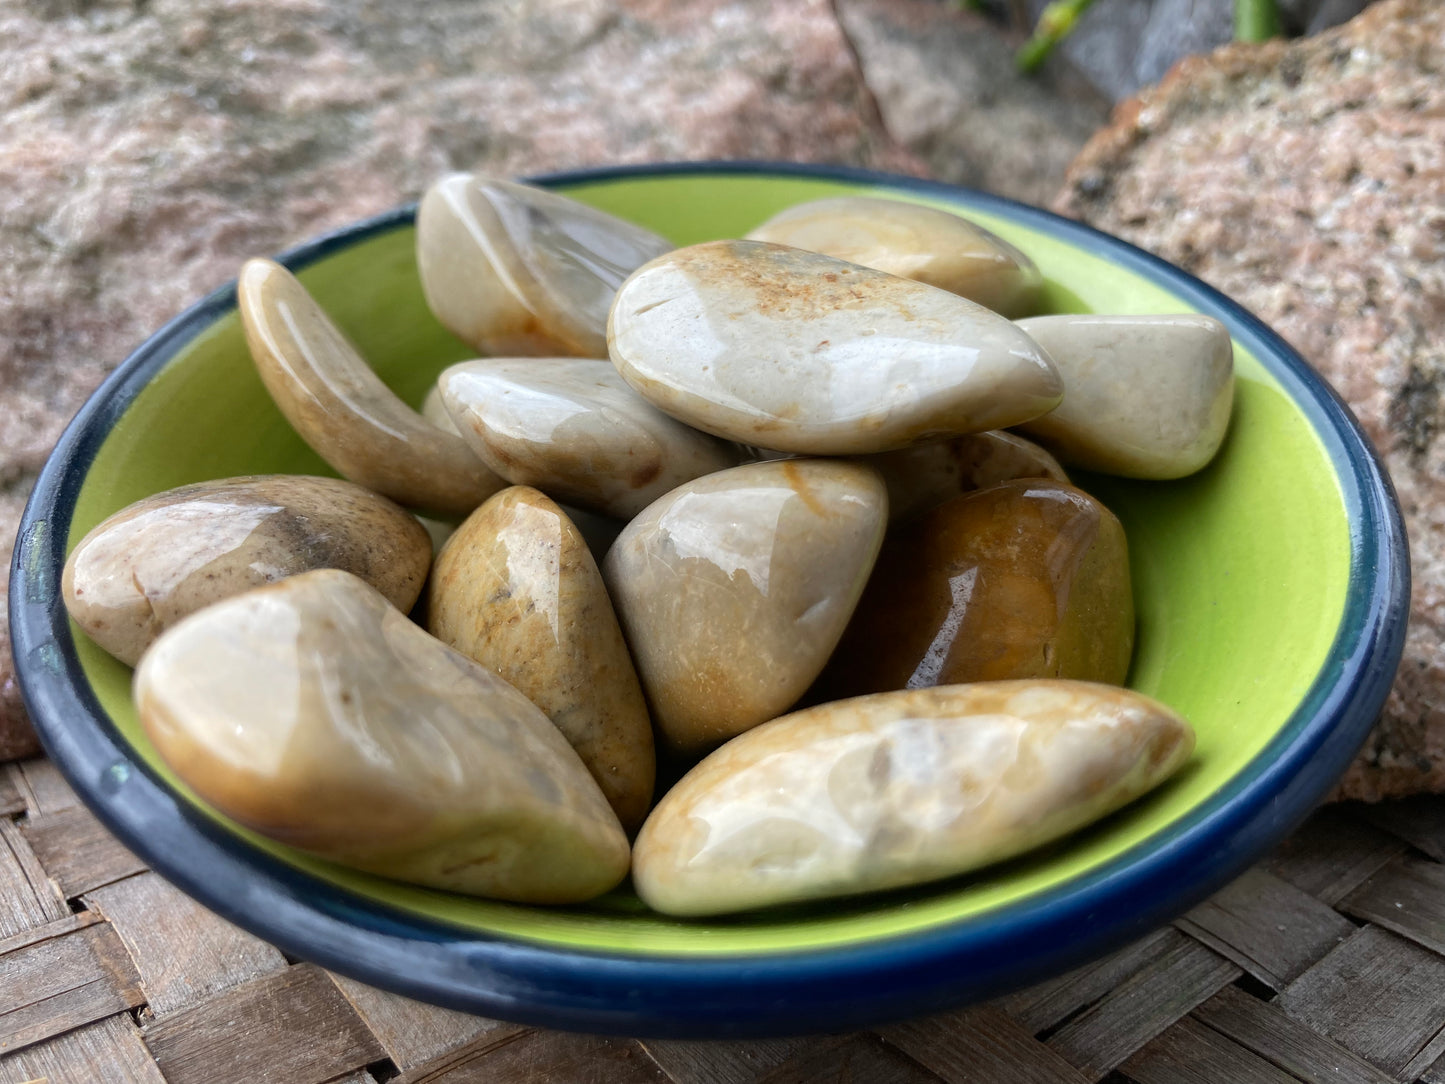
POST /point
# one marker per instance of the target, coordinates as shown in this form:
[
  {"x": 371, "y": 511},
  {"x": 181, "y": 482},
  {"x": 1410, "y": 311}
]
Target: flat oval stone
[
  {"x": 733, "y": 590},
  {"x": 154, "y": 562},
  {"x": 1026, "y": 579},
  {"x": 315, "y": 713},
  {"x": 926, "y": 475},
  {"x": 517, "y": 589},
  {"x": 797, "y": 352},
  {"x": 900, "y": 789},
  {"x": 513, "y": 269},
  {"x": 1144, "y": 396},
  {"x": 576, "y": 431},
  {"x": 913, "y": 242},
  {"x": 343, "y": 410}
]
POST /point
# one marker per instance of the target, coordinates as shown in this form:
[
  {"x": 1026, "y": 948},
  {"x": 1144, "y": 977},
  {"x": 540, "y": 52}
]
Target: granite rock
[
  {"x": 946, "y": 87},
  {"x": 1304, "y": 179},
  {"x": 148, "y": 148}
]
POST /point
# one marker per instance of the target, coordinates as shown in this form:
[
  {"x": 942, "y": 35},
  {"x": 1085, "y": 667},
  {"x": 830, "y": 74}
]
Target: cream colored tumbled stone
[
  {"x": 926, "y": 475},
  {"x": 898, "y": 789},
  {"x": 343, "y": 410},
  {"x": 517, "y": 589},
  {"x": 915, "y": 242},
  {"x": 314, "y": 712},
  {"x": 734, "y": 589},
  {"x": 434, "y": 410},
  {"x": 513, "y": 269},
  {"x": 1144, "y": 396},
  {"x": 155, "y": 561},
  {"x": 797, "y": 352},
  {"x": 576, "y": 431}
]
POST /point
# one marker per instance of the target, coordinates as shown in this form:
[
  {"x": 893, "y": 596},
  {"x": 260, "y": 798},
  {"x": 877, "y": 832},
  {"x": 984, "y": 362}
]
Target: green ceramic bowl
[{"x": 1271, "y": 591}]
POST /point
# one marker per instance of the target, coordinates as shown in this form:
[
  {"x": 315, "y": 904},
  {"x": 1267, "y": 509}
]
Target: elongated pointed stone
[
  {"x": 517, "y": 590},
  {"x": 733, "y": 590},
  {"x": 576, "y": 431},
  {"x": 797, "y": 352},
  {"x": 314, "y": 712},
  {"x": 343, "y": 410},
  {"x": 900, "y": 789},
  {"x": 162, "y": 558},
  {"x": 513, "y": 269},
  {"x": 1145, "y": 396},
  {"x": 914, "y": 242},
  {"x": 1026, "y": 579},
  {"x": 924, "y": 476}
]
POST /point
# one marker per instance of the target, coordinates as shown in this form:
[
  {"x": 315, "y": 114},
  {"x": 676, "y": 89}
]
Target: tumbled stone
[
  {"x": 733, "y": 590},
  {"x": 798, "y": 352},
  {"x": 575, "y": 430},
  {"x": 926, "y": 475},
  {"x": 914, "y": 242},
  {"x": 900, "y": 789},
  {"x": 343, "y": 410},
  {"x": 517, "y": 589},
  {"x": 314, "y": 712},
  {"x": 1144, "y": 396},
  {"x": 154, "y": 562},
  {"x": 513, "y": 269},
  {"x": 1026, "y": 579}
]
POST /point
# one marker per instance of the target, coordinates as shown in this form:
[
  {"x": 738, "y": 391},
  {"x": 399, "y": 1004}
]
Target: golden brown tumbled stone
[
  {"x": 913, "y": 242},
  {"x": 899, "y": 789},
  {"x": 513, "y": 269},
  {"x": 926, "y": 475},
  {"x": 517, "y": 589},
  {"x": 314, "y": 712},
  {"x": 154, "y": 562},
  {"x": 734, "y": 588},
  {"x": 1026, "y": 579},
  {"x": 343, "y": 410}
]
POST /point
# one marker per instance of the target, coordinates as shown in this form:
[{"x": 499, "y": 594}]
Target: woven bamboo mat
[{"x": 1324, "y": 963}]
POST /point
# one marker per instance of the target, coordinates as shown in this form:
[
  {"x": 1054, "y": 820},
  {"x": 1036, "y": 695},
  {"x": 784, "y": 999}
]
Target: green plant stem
[
  {"x": 1055, "y": 22},
  {"x": 1256, "y": 20}
]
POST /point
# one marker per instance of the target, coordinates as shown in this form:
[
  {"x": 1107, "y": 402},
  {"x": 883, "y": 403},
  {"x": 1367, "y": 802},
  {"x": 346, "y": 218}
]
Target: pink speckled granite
[
  {"x": 1307, "y": 180},
  {"x": 147, "y": 149}
]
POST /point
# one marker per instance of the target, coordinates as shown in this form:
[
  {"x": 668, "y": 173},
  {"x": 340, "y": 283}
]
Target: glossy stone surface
[
  {"x": 152, "y": 563},
  {"x": 517, "y": 589},
  {"x": 1144, "y": 396},
  {"x": 1026, "y": 579},
  {"x": 734, "y": 589},
  {"x": 899, "y": 789},
  {"x": 513, "y": 269},
  {"x": 926, "y": 475},
  {"x": 343, "y": 410},
  {"x": 914, "y": 242},
  {"x": 797, "y": 352},
  {"x": 575, "y": 430},
  {"x": 317, "y": 714}
]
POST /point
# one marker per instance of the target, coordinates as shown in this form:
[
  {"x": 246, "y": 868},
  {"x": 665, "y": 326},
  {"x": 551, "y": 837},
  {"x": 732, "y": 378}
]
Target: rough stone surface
[
  {"x": 1305, "y": 180},
  {"x": 147, "y": 148},
  {"x": 17, "y": 737},
  {"x": 946, "y": 86}
]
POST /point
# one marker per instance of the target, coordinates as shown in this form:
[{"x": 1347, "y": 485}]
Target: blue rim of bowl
[{"x": 792, "y": 992}]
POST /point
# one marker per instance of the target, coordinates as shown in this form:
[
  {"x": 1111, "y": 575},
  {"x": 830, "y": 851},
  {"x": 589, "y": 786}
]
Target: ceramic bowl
[{"x": 1271, "y": 593}]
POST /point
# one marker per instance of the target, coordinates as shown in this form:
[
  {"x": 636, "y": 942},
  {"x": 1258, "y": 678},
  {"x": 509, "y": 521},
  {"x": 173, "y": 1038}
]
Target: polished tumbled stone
[
  {"x": 513, "y": 269},
  {"x": 574, "y": 429},
  {"x": 314, "y": 712},
  {"x": 792, "y": 351},
  {"x": 900, "y": 789},
  {"x": 914, "y": 242},
  {"x": 342, "y": 409},
  {"x": 1144, "y": 396},
  {"x": 734, "y": 589},
  {"x": 153, "y": 562},
  {"x": 926, "y": 475},
  {"x": 517, "y": 589}
]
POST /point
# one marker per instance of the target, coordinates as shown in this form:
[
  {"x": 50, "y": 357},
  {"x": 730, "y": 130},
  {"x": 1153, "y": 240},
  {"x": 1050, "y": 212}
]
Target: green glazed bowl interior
[{"x": 1242, "y": 572}]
